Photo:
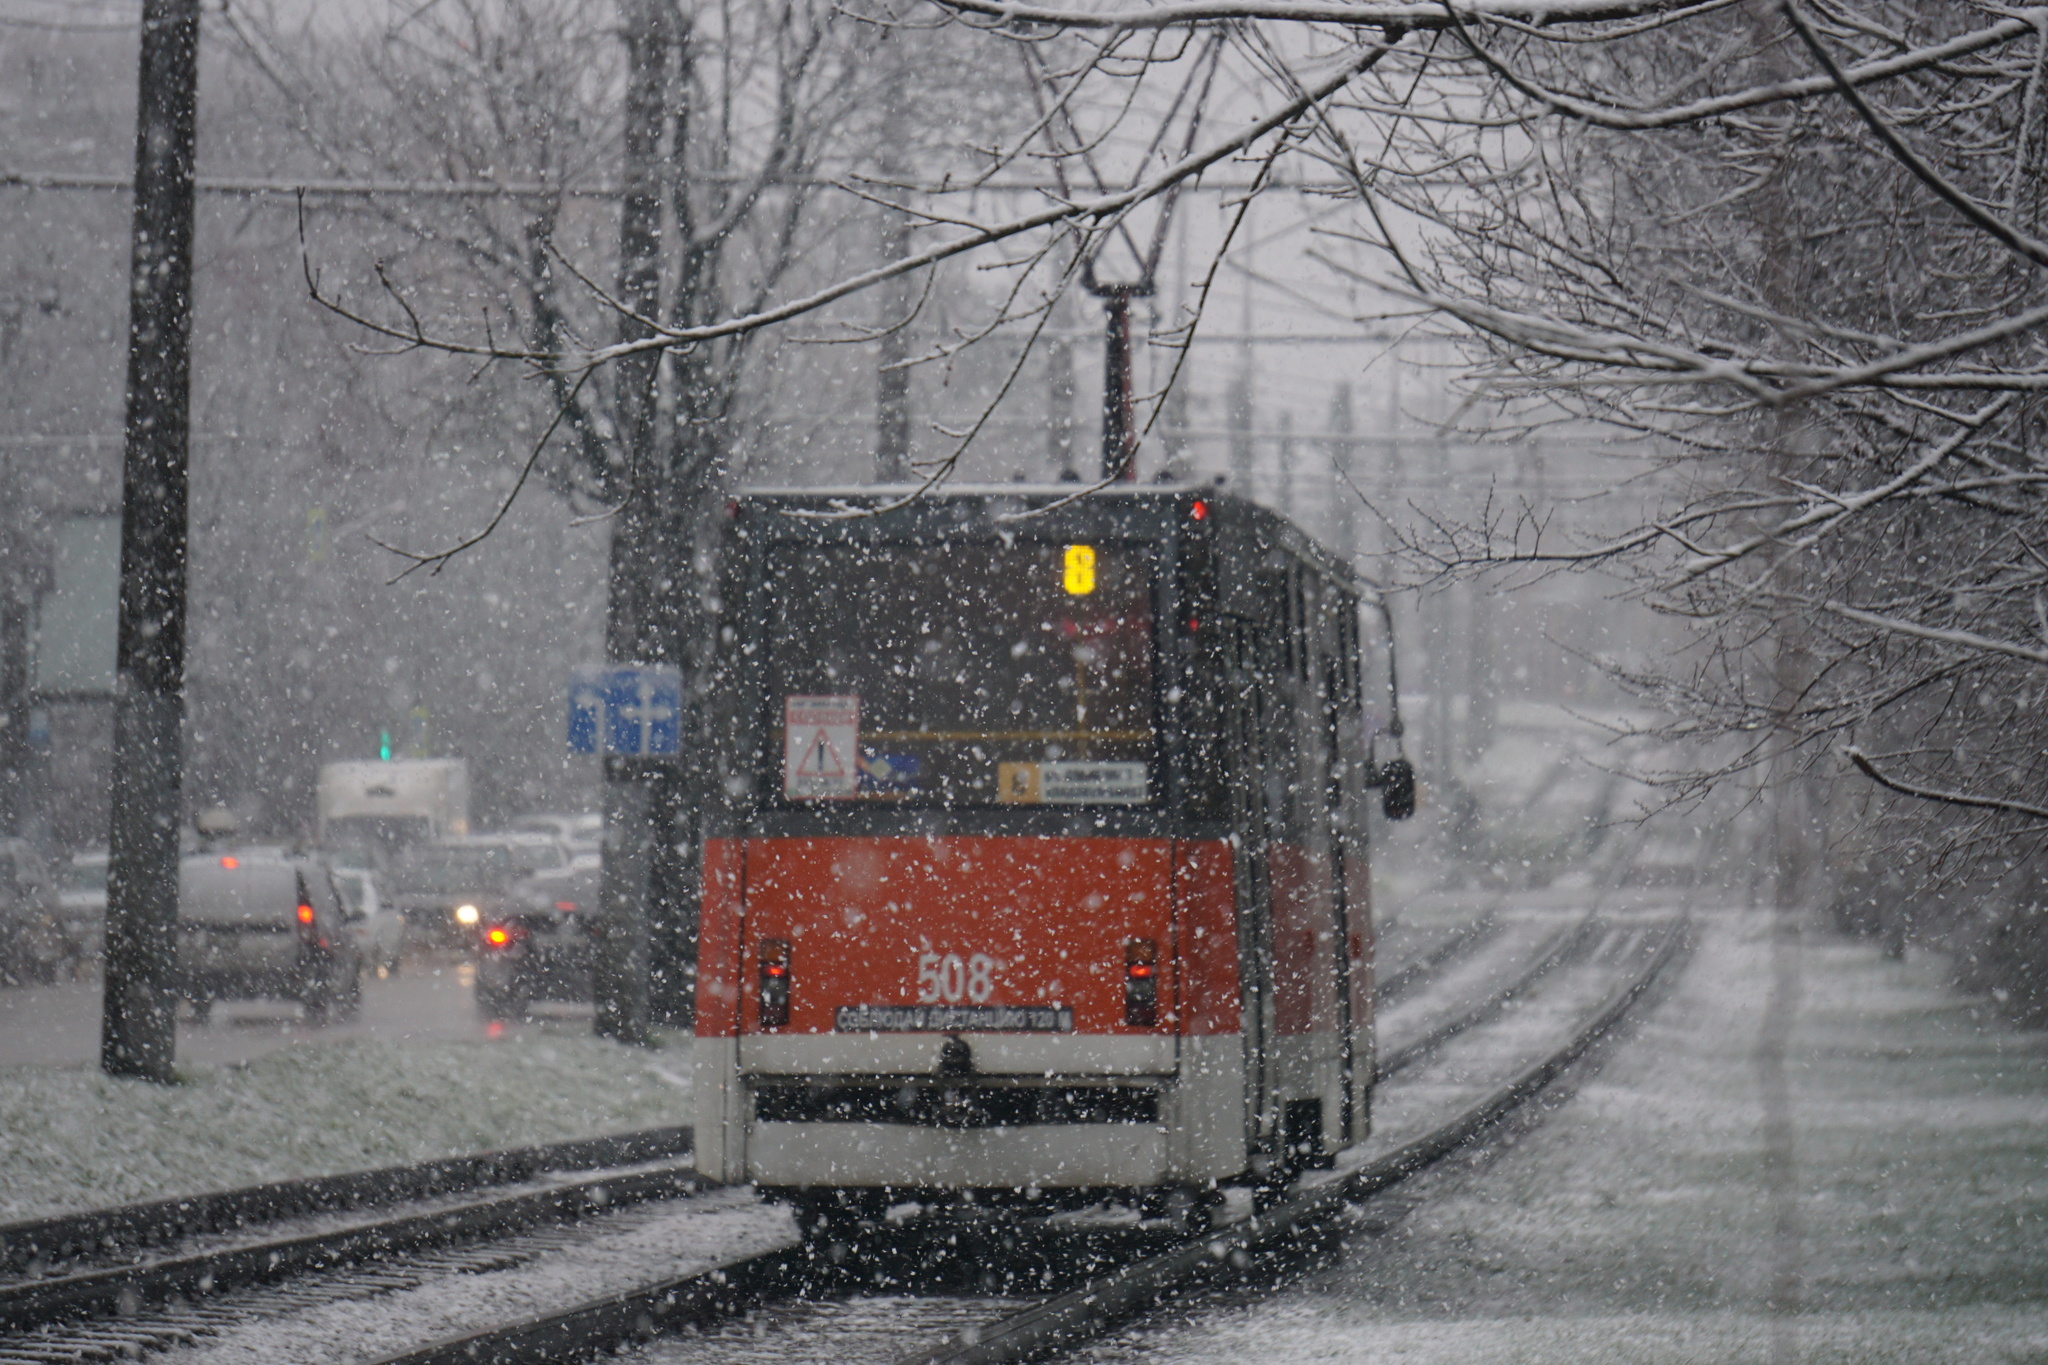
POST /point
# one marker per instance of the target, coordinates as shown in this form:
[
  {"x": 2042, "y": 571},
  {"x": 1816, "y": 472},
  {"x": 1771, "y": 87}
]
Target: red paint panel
[
  {"x": 1205, "y": 922},
  {"x": 956, "y": 920},
  {"x": 1305, "y": 943},
  {"x": 719, "y": 952}
]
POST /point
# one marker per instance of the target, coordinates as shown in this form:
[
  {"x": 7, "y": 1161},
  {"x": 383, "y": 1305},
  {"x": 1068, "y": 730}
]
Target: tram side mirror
[{"x": 1396, "y": 781}]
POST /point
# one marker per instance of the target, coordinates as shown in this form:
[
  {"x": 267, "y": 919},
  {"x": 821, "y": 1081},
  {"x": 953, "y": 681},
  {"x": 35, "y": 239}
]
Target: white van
[
  {"x": 371, "y": 810},
  {"x": 252, "y": 927}
]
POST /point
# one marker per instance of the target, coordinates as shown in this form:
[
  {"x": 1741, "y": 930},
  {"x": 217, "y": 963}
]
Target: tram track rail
[
  {"x": 1072, "y": 1318},
  {"x": 28, "y": 1246},
  {"x": 1066, "y": 1319},
  {"x": 31, "y": 1247},
  {"x": 118, "y": 1288},
  {"x": 1547, "y": 956},
  {"x": 1458, "y": 943},
  {"x": 104, "y": 1310}
]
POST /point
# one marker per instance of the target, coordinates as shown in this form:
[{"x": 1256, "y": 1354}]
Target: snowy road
[
  {"x": 1634, "y": 1225},
  {"x": 60, "y": 1025}
]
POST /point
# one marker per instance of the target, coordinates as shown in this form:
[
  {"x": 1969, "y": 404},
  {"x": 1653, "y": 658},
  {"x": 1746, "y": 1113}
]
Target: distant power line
[{"x": 527, "y": 189}]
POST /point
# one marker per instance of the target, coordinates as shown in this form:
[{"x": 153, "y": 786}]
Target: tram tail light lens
[
  {"x": 774, "y": 983},
  {"x": 1141, "y": 983}
]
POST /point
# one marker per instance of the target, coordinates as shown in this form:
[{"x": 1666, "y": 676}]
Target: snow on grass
[
  {"x": 1636, "y": 1222},
  {"x": 72, "y": 1138}
]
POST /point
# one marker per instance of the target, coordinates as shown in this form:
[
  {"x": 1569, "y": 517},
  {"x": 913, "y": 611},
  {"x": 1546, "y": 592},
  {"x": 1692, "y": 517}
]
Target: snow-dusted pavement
[
  {"x": 59, "y": 1025},
  {"x": 72, "y": 1138},
  {"x": 1634, "y": 1223}
]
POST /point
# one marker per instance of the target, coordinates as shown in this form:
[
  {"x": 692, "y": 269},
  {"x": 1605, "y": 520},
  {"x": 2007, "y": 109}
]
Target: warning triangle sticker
[{"x": 821, "y": 758}]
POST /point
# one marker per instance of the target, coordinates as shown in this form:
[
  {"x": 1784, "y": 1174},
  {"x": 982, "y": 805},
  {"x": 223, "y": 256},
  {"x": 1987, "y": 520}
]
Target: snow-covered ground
[
  {"x": 624, "y": 1250},
  {"x": 72, "y": 1138},
  {"x": 1635, "y": 1223}
]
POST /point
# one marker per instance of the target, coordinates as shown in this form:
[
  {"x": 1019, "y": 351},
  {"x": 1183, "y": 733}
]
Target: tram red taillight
[
  {"x": 1141, "y": 983},
  {"x": 775, "y": 957}
]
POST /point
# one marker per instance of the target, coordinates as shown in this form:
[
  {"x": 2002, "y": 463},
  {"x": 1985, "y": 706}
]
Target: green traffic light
[{"x": 384, "y": 745}]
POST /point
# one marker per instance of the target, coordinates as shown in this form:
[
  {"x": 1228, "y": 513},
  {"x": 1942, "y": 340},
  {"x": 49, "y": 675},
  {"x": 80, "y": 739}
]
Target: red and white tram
[{"x": 1040, "y": 872}]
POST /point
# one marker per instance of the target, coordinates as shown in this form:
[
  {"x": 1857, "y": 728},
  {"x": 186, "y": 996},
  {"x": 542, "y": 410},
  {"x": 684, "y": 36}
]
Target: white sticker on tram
[
  {"x": 1072, "y": 783},
  {"x": 820, "y": 747}
]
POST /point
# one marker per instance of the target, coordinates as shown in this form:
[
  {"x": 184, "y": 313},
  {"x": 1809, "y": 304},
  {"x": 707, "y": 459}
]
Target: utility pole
[
  {"x": 1119, "y": 423},
  {"x": 139, "y": 1027},
  {"x": 1342, "y": 474},
  {"x": 1173, "y": 435},
  {"x": 1285, "y": 493},
  {"x": 1237, "y": 419},
  {"x": 640, "y": 626},
  {"x": 24, "y": 572},
  {"x": 892, "y": 375},
  {"x": 1059, "y": 402}
]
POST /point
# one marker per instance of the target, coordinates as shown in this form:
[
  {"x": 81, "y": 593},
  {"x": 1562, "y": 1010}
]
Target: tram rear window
[{"x": 963, "y": 673}]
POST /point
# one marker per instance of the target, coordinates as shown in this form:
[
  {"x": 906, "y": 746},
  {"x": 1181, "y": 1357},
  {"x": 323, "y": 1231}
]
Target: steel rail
[
  {"x": 44, "y": 1300},
  {"x": 1408, "y": 975},
  {"x": 647, "y": 1311},
  {"x": 1548, "y": 956},
  {"x": 158, "y": 1221},
  {"x": 1071, "y": 1318},
  {"x": 115, "y": 1289}
]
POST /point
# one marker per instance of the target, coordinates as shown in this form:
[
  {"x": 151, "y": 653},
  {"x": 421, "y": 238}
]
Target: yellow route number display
[{"x": 1080, "y": 570}]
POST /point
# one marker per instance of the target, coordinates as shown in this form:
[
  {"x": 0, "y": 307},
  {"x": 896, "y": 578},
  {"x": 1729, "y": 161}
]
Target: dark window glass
[{"x": 965, "y": 673}]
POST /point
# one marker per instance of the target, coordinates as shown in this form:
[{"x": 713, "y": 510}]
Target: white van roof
[{"x": 230, "y": 889}]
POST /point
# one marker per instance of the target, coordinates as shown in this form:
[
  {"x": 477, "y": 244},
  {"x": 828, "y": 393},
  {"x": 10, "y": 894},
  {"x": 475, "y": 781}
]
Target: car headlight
[{"x": 465, "y": 914}]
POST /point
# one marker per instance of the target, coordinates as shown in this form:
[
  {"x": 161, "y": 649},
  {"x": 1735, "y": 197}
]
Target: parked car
[
  {"x": 539, "y": 946},
  {"x": 572, "y": 831},
  {"x": 377, "y": 926},
  {"x": 34, "y": 946},
  {"x": 264, "y": 927},
  {"x": 531, "y": 851},
  {"x": 82, "y": 901}
]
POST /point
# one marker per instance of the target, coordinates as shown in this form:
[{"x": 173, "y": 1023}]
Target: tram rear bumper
[
  {"x": 1054, "y": 1127},
  {"x": 1064, "y": 1156}
]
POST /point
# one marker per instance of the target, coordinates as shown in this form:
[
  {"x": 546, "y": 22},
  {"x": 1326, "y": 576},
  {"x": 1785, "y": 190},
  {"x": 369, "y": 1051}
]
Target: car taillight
[
  {"x": 774, "y": 983},
  {"x": 1141, "y": 983},
  {"x": 309, "y": 932},
  {"x": 565, "y": 905},
  {"x": 498, "y": 936}
]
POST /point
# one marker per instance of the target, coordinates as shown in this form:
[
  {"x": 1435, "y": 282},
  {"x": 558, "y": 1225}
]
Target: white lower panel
[
  {"x": 1205, "y": 1111},
  {"x": 917, "y": 1054},
  {"x": 721, "y": 1110},
  {"x": 1047, "y": 1156}
]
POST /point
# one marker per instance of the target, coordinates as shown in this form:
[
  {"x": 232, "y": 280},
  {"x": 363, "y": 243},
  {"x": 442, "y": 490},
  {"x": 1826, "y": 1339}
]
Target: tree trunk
[{"x": 639, "y": 626}]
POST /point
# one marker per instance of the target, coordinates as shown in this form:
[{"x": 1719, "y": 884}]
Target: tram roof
[{"x": 1265, "y": 519}]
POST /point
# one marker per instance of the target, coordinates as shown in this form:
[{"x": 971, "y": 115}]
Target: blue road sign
[{"x": 630, "y": 709}]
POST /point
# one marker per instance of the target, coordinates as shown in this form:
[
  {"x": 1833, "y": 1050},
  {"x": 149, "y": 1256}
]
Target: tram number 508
[{"x": 952, "y": 978}]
